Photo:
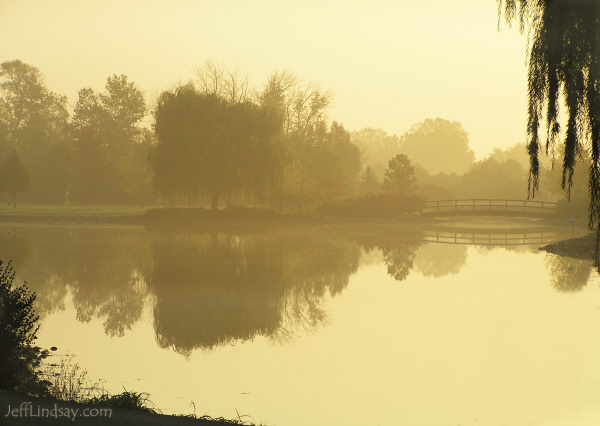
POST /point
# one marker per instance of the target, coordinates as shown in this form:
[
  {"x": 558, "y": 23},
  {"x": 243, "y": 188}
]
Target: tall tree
[
  {"x": 111, "y": 148},
  {"x": 300, "y": 109},
  {"x": 229, "y": 85},
  {"x": 34, "y": 121},
  {"x": 439, "y": 145},
  {"x": 211, "y": 146},
  {"x": 333, "y": 165},
  {"x": 123, "y": 102},
  {"x": 564, "y": 66},
  {"x": 29, "y": 109},
  {"x": 14, "y": 177},
  {"x": 400, "y": 175}
]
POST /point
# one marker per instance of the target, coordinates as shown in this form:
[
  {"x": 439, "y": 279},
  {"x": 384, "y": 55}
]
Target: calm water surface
[{"x": 297, "y": 328}]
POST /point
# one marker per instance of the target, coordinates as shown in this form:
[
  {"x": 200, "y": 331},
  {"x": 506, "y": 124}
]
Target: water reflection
[
  {"x": 569, "y": 274},
  {"x": 215, "y": 288},
  {"x": 438, "y": 260},
  {"x": 218, "y": 288},
  {"x": 398, "y": 251},
  {"x": 103, "y": 272}
]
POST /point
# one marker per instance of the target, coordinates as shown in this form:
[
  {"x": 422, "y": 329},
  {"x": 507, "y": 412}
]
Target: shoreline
[
  {"x": 37, "y": 411},
  {"x": 577, "y": 248},
  {"x": 184, "y": 216}
]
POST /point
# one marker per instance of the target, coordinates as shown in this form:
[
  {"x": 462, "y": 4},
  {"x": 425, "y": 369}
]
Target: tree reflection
[
  {"x": 105, "y": 276},
  {"x": 437, "y": 260},
  {"x": 208, "y": 289},
  {"x": 219, "y": 288},
  {"x": 102, "y": 269},
  {"x": 16, "y": 245},
  {"x": 568, "y": 274}
]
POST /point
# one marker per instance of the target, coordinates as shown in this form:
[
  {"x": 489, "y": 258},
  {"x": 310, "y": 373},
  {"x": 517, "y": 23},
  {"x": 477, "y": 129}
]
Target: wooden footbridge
[{"x": 489, "y": 207}]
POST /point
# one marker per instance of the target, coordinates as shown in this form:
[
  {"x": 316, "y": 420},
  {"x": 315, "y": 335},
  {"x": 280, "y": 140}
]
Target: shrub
[
  {"x": 19, "y": 358},
  {"x": 381, "y": 205},
  {"x": 67, "y": 381},
  {"x": 127, "y": 400}
]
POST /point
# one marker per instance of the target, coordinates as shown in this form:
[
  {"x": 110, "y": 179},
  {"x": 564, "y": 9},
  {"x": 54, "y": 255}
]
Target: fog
[
  {"x": 388, "y": 64},
  {"x": 217, "y": 141},
  {"x": 300, "y": 212}
]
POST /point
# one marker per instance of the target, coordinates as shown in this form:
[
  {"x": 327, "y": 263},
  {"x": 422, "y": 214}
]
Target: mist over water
[
  {"x": 302, "y": 213},
  {"x": 270, "y": 323}
]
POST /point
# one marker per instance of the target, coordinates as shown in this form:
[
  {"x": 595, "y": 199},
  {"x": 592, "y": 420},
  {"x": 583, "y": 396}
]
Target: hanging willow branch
[{"x": 564, "y": 68}]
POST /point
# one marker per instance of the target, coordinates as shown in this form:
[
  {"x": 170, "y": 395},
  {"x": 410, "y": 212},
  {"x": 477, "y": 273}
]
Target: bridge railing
[
  {"x": 487, "y": 205},
  {"x": 483, "y": 238}
]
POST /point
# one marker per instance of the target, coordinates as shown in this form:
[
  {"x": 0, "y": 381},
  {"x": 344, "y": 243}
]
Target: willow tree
[
  {"x": 209, "y": 145},
  {"x": 564, "y": 69}
]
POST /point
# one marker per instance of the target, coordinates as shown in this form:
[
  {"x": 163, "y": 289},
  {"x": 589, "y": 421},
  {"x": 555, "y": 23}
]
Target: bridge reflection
[
  {"x": 497, "y": 237},
  {"x": 489, "y": 207}
]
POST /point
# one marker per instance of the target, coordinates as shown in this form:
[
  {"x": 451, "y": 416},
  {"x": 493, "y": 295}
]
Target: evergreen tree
[{"x": 400, "y": 175}]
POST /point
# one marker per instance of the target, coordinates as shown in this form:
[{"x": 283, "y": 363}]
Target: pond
[{"x": 306, "y": 326}]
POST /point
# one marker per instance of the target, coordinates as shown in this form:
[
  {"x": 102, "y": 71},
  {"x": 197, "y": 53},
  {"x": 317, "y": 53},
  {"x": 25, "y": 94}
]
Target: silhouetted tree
[
  {"x": 400, "y": 175},
  {"x": 229, "y": 85},
  {"x": 439, "y": 145},
  {"x": 257, "y": 158},
  {"x": 564, "y": 57},
  {"x": 300, "y": 112},
  {"x": 18, "y": 328},
  {"x": 35, "y": 123},
  {"x": 123, "y": 102},
  {"x": 111, "y": 150},
  {"x": 14, "y": 177},
  {"x": 30, "y": 110},
  {"x": 333, "y": 165},
  {"x": 207, "y": 145}
]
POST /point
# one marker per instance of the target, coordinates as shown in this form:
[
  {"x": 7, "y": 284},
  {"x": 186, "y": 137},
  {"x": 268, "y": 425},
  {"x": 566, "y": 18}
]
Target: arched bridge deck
[{"x": 489, "y": 207}]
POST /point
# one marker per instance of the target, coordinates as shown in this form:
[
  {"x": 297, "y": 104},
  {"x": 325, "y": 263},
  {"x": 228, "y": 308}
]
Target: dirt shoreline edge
[{"x": 578, "y": 248}]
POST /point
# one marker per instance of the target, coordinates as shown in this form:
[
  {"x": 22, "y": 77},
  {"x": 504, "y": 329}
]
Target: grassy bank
[
  {"x": 48, "y": 213},
  {"x": 179, "y": 216}
]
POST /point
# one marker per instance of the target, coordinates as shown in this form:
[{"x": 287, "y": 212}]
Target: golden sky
[{"x": 388, "y": 64}]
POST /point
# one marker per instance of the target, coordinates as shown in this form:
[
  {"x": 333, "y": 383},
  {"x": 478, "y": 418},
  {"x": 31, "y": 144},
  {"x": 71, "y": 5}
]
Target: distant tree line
[
  {"x": 445, "y": 167},
  {"x": 217, "y": 142},
  {"x": 98, "y": 154},
  {"x": 214, "y": 140}
]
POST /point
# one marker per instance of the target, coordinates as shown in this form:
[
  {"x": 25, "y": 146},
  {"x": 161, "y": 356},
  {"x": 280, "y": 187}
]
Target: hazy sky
[{"x": 388, "y": 64}]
